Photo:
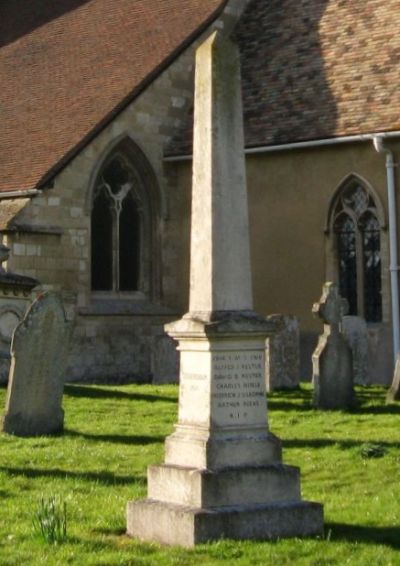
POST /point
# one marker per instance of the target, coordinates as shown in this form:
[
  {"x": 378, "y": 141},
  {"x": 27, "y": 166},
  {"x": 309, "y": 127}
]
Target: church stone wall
[{"x": 50, "y": 237}]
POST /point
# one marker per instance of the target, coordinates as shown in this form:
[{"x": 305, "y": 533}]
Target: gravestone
[
  {"x": 282, "y": 353},
  {"x": 164, "y": 360},
  {"x": 223, "y": 475},
  {"x": 39, "y": 354},
  {"x": 356, "y": 332},
  {"x": 15, "y": 296},
  {"x": 394, "y": 392},
  {"x": 332, "y": 359}
]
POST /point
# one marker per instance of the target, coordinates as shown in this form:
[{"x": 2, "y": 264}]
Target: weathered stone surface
[
  {"x": 332, "y": 359},
  {"x": 199, "y": 487},
  {"x": 222, "y": 404},
  {"x": 165, "y": 360},
  {"x": 380, "y": 346},
  {"x": 356, "y": 331},
  {"x": 394, "y": 392},
  {"x": 15, "y": 293},
  {"x": 220, "y": 270},
  {"x": 282, "y": 353},
  {"x": 172, "y": 524},
  {"x": 221, "y": 461},
  {"x": 39, "y": 353}
]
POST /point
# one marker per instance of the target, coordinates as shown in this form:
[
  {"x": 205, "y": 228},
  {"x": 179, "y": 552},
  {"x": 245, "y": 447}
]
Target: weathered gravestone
[
  {"x": 282, "y": 353},
  {"x": 356, "y": 332},
  {"x": 39, "y": 354},
  {"x": 332, "y": 359},
  {"x": 15, "y": 291},
  {"x": 394, "y": 392},
  {"x": 223, "y": 474}
]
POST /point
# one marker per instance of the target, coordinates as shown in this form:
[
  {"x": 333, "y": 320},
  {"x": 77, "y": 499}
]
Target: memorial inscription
[{"x": 238, "y": 391}]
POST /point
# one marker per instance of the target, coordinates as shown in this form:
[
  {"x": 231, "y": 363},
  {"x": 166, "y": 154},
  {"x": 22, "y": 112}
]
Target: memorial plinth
[{"x": 223, "y": 474}]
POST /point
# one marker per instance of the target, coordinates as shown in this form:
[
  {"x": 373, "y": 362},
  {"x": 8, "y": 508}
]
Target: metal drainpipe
[{"x": 393, "y": 268}]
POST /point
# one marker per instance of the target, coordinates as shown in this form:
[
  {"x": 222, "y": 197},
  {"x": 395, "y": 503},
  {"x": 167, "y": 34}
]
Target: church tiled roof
[
  {"x": 314, "y": 69},
  {"x": 67, "y": 67}
]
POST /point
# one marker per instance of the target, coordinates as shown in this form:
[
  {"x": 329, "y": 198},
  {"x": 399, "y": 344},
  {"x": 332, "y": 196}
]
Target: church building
[{"x": 96, "y": 121}]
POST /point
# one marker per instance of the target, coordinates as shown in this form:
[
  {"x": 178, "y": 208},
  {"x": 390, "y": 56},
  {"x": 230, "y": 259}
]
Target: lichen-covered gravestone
[
  {"x": 39, "y": 354},
  {"x": 332, "y": 359}
]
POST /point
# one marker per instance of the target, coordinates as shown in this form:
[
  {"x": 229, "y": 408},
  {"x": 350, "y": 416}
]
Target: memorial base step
[{"x": 172, "y": 524}]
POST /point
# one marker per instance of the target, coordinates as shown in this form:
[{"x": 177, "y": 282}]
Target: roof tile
[{"x": 66, "y": 66}]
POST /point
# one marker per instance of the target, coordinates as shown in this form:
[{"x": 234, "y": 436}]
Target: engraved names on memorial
[{"x": 238, "y": 391}]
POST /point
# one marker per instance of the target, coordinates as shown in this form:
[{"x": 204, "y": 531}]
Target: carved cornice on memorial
[{"x": 219, "y": 323}]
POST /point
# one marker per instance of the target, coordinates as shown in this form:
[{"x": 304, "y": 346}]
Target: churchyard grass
[{"x": 350, "y": 461}]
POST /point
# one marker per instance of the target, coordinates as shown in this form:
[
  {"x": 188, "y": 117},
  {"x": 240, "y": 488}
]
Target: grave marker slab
[
  {"x": 356, "y": 331},
  {"x": 39, "y": 354},
  {"x": 282, "y": 353},
  {"x": 332, "y": 359}
]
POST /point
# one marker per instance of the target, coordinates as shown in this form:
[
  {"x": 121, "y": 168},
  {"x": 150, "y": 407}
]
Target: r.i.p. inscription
[{"x": 238, "y": 388}]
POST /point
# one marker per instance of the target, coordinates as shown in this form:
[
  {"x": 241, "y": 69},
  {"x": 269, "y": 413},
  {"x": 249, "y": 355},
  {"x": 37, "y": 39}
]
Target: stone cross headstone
[
  {"x": 223, "y": 475},
  {"x": 39, "y": 355},
  {"x": 332, "y": 359},
  {"x": 394, "y": 392}
]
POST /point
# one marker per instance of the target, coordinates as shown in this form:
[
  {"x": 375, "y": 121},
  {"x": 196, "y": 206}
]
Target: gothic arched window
[
  {"x": 123, "y": 224},
  {"x": 357, "y": 232}
]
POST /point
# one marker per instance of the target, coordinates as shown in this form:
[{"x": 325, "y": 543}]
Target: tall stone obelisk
[{"x": 223, "y": 475}]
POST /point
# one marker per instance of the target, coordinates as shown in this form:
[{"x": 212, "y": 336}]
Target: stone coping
[
  {"x": 32, "y": 229},
  {"x": 10, "y": 281}
]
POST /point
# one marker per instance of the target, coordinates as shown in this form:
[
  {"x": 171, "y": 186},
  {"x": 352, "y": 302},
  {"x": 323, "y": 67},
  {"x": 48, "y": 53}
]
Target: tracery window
[
  {"x": 116, "y": 229},
  {"x": 358, "y": 245},
  {"x": 125, "y": 225}
]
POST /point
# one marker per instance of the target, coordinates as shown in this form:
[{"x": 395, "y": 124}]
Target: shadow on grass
[
  {"x": 357, "y": 409},
  {"x": 278, "y": 405},
  {"x": 92, "y": 392},
  {"x": 117, "y": 531},
  {"x": 103, "y": 477},
  {"x": 325, "y": 442},
  {"x": 368, "y": 400},
  {"x": 116, "y": 438},
  {"x": 377, "y": 410},
  {"x": 389, "y": 536}
]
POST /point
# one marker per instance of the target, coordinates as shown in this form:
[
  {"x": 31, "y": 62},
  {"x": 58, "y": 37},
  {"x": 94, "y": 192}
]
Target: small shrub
[
  {"x": 50, "y": 520},
  {"x": 370, "y": 450}
]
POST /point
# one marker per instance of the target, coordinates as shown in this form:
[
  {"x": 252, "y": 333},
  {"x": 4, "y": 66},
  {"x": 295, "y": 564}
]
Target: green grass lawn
[{"x": 113, "y": 433}]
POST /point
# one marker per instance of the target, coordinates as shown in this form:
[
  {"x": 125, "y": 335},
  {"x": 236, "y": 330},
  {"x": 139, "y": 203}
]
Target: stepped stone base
[
  {"x": 174, "y": 524},
  {"x": 254, "y": 447},
  {"x": 201, "y": 488}
]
